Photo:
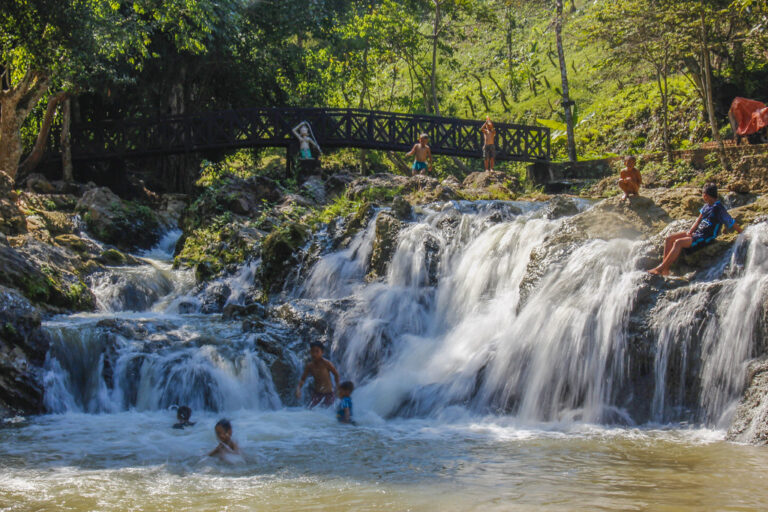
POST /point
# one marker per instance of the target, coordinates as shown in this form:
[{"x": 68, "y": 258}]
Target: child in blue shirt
[
  {"x": 344, "y": 412},
  {"x": 713, "y": 219}
]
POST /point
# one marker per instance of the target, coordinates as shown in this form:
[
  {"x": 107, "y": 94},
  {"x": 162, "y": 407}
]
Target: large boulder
[
  {"x": 279, "y": 251},
  {"x": 384, "y": 244},
  {"x": 477, "y": 180},
  {"x": 23, "y": 345},
  {"x": 750, "y": 423},
  {"x": 125, "y": 224}
]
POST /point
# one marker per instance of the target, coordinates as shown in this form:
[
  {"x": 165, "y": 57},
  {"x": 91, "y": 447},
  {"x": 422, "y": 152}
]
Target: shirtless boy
[
  {"x": 321, "y": 369},
  {"x": 489, "y": 143},
  {"x": 421, "y": 154},
  {"x": 630, "y": 180}
]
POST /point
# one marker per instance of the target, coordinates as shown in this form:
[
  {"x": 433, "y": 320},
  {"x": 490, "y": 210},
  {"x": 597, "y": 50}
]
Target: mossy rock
[
  {"x": 73, "y": 242},
  {"x": 113, "y": 257},
  {"x": 278, "y": 252}
]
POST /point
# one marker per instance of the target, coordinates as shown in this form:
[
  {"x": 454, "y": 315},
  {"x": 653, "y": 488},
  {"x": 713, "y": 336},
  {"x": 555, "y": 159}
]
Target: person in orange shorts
[{"x": 630, "y": 180}]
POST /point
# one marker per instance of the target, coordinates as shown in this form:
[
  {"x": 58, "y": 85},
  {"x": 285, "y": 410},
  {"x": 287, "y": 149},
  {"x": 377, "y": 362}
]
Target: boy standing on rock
[
  {"x": 713, "y": 218},
  {"x": 421, "y": 153},
  {"x": 321, "y": 369},
  {"x": 489, "y": 143},
  {"x": 630, "y": 180}
]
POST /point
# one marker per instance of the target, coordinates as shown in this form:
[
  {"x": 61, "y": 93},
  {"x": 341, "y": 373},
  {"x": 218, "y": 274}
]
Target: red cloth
[{"x": 751, "y": 116}]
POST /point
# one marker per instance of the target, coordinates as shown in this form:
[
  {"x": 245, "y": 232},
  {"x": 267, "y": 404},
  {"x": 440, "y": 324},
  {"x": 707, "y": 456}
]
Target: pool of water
[{"x": 303, "y": 460}]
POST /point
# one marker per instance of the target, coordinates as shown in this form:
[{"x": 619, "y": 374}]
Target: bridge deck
[{"x": 271, "y": 127}]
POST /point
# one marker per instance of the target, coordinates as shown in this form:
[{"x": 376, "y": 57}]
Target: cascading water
[{"x": 501, "y": 374}]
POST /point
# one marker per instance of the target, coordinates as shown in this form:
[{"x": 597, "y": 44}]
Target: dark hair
[
  {"x": 347, "y": 385},
  {"x": 183, "y": 412},
  {"x": 225, "y": 424},
  {"x": 629, "y": 157},
  {"x": 318, "y": 345},
  {"x": 710, "y": 189}
]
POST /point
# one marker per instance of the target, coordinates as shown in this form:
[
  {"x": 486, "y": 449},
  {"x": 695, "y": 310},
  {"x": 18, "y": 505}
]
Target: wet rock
[
  {"x": 401, "y": 208},
  {"x": 384, "y": 245},
  {"x": 23, "y": 345},
  {"x": 432, "y": 258},
  {"x": 252, "y": 325},
  {"x": 561, "y": 206},
  {"x": 213, "y": 297},
  {"x": 123, "y": 224},
  {"x": 353, "y": 224},
  {"x": 750, "y": 423},
  {"x": 112, "y": 257},
  {"x": 284, "y": 377},
  {"x": 735, "y": 200},
  {"x": 279, "y": 252}
]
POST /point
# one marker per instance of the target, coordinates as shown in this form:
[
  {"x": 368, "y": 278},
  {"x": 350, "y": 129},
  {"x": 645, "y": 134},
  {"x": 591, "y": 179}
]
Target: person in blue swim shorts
[
  {"x": 713, "y": 219},
  {"x": 421, "y": 153}
]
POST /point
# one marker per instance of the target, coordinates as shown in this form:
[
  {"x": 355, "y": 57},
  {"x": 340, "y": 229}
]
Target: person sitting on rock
[
  {"x": 421, "y": 153},
  {"x": 321, "y": 369},
  {"x": 630, "y": 180},
  {"x": 183, "y": 413},
  {"x": 713, "y": 218}
]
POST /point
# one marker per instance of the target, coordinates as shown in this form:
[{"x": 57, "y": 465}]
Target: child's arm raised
[{"x": 412, "y": 151}]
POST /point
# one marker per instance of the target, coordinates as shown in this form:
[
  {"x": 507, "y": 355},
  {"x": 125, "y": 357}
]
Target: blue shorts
[
  {"x": 700, "y": 240},
  {"x": 419, "y": 166},
  {"x": 306, "y": 154}
]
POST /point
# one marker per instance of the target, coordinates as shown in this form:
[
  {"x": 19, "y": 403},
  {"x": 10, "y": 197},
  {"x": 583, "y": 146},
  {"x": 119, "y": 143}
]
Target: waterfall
[{"x": 488, "y": 306}]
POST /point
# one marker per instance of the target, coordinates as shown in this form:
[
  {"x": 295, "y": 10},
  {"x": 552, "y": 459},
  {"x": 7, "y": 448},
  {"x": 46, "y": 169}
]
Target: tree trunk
[
  {"x": 564, "y": 78},
  {"x": 708, "y": 93},
  {"x": 435, "y": 33},
  {"x": 66, "y": 142},
  {"x": 38, "y": 150},
  {"x": 15, "y": 105}
]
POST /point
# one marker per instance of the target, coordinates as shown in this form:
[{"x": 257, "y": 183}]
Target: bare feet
[{"x": 658, "y": 272}]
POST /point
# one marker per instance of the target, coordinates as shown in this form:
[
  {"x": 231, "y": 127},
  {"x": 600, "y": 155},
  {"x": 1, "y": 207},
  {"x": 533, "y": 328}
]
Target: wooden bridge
[{"x": 271, "y": 127}]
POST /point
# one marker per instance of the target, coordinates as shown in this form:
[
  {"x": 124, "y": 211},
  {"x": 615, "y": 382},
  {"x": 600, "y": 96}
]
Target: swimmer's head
[
  {"x": 316, "y": 350},
  {"x": 223, "y": 430},
  {"x": 183, "y": 413}
]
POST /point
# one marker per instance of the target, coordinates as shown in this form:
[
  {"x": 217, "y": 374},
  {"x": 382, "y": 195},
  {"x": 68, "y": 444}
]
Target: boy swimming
[
  {"x": 183, "y": 414},
  {"x": 321, "y": 370},
  {"x": 344, "y": 412},
  {"x": 421, "y": 154},
  {"x": 713, "y": 218},
  {"x": 227, "y": 447}
]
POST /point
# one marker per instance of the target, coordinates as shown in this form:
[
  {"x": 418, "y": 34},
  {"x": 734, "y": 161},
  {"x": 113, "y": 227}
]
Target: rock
[
  {"x": 23, "y": 345},
  {"x": 384, "y": 244},
  {"x": 735, "y": 200},
  {"x": 478, "y": 180},
  {"x": 57, "y": 223},
  {"x": 12, "y": 219},
  {"x": 172, "y": 207},
  {"x": 39, "y": 183},
  {"x": 45, "y": 274},
  {"x": 380, "y": 181},
  {"x": 213, "y": 297},
  {"x": 278, "y": 254},
  {"x": 750, "y": 423},
  {"x": 72, "y": 242},
  {"x": 314, "y": 188},
  {"x": 6, "y": 184},
  {"x": 560, "y": 206},
  {"x": 401, "y": 208},
  {"x": 123, "y": 224},
  {"x": 284, "y": 376},
  {"x": 739, "y": 187},
  {"x": 112, "y": 257},
  {"x": 451, "y": 182}
]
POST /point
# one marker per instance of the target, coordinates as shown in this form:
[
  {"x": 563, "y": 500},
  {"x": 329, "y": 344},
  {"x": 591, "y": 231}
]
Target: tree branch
[{"x": 38, "y": 150}]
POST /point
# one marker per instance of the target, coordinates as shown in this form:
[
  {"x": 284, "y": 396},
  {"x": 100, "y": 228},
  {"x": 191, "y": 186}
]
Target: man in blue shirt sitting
[{"x": 713, "y": 218}]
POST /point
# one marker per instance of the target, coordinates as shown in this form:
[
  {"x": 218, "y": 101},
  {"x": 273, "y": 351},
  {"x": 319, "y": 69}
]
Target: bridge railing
[{"x": 272, "y": 127}]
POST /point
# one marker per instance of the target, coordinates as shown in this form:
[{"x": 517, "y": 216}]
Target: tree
[
  {"x": 57, "y": 47},
  {"x": 636, "y": 32},
  {"x": 567, "y": 103}
]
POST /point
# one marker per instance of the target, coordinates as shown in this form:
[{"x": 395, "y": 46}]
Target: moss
[
  {"x": 211, "y": 247},
  {"x": 494, "y": 192},
  {"x": 277, "y": 252},
  {"x": 113, "y": 257},
  {"x": 79, "y": 296}
]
